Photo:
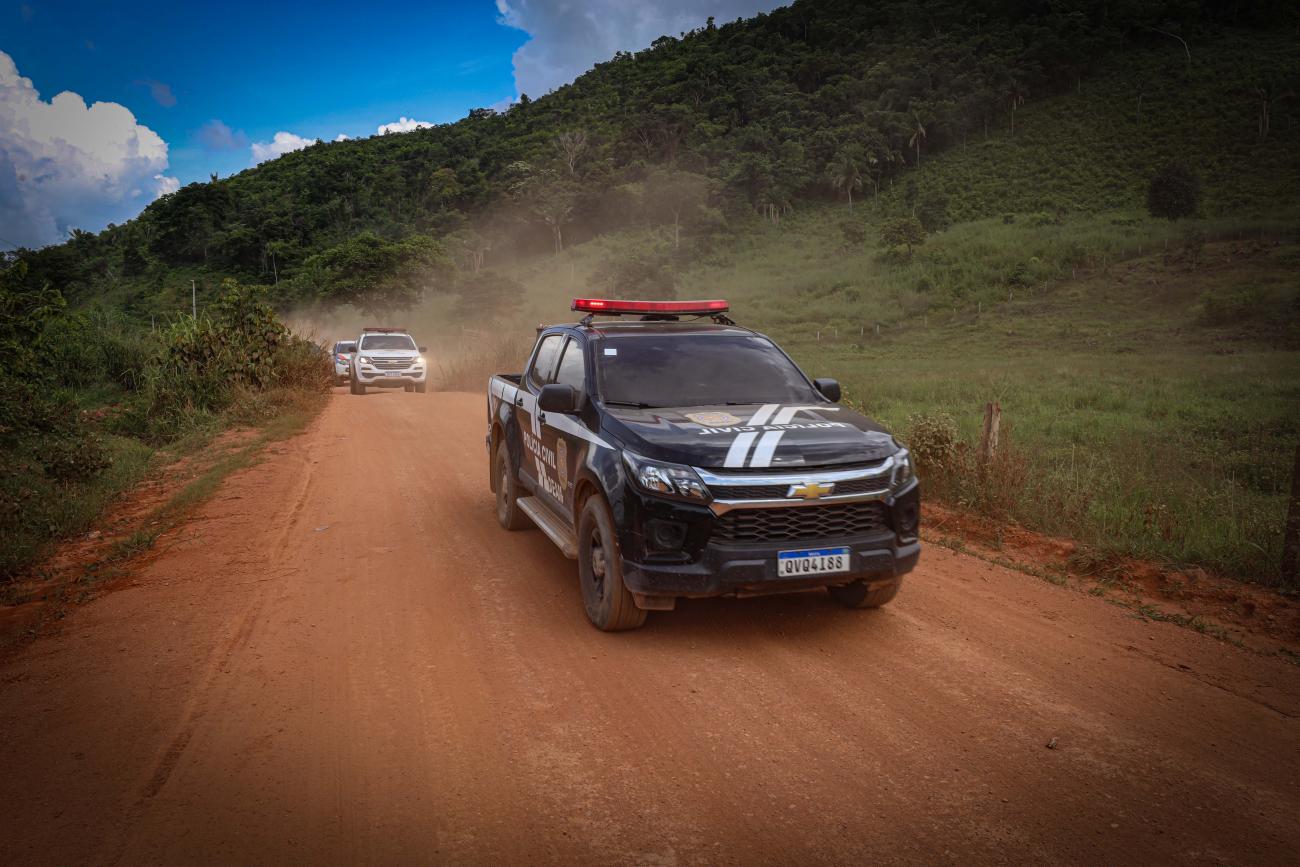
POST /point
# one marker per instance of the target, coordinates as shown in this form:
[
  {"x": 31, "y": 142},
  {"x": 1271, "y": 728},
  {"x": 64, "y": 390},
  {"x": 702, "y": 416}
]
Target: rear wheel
[
  {"x": 508, "y": 513},
  {"x": 610, "y": 607},
  {"x": 857, "y": 594}
]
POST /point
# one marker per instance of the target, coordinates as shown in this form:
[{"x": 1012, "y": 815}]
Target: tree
[
  {"x": 844, "y": 172},
  {"x": 902, "y": 232},
  {"x": 571, "y": 146},
  {"x": 676, "y": 194},
  {"x": 444, "y": 186},
  {"x": 1175, "y": 192},
  {"x": 547, "y": 197},
  {"x": 918, "y": 136},
  {"x": 375, "y": 275}
]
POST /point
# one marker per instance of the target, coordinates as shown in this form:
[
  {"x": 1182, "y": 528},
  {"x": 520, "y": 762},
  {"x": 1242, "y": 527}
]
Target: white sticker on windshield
[{"x": 611, "y": 352}]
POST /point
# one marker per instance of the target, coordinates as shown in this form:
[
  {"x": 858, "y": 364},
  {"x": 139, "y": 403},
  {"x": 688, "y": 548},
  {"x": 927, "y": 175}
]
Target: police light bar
[{"x": 611, "y": 307}]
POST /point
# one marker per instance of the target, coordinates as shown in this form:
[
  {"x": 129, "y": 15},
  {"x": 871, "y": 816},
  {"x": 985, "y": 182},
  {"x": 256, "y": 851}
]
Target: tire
[
  {"x": 419, "y": 388},
  {"x": 610, "y": 606},
  {"x": 509, "y": 514},
  {"x": 408, "y": 388},
  {"x": 856, "y": 595},
  {"x": 352, "y": 386}
]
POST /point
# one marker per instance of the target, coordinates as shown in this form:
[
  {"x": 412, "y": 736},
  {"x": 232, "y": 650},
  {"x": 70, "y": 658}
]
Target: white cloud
[
  {"x": 67, "y": 165},
  {"x": 167, "y": 184},
  {"x": 279, "y": 145},
  {"x": 570, "y": 36},
  {"x": 404, "y": 124},
  {"x": 342, "y": 137}
]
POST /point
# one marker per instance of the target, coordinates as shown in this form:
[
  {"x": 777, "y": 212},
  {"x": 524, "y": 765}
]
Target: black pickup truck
[{"x": 678, "y": 455}]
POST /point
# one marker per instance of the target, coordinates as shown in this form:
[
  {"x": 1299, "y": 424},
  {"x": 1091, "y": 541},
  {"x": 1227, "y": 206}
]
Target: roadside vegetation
[{"x": 88, "y": 399}]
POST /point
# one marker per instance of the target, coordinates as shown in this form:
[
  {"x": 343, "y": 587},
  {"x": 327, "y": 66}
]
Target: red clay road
[{"x": 343, "y": 659}]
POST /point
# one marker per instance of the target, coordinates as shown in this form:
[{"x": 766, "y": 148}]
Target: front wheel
[
  {"x": 355, "y": 386},
  {"x": 610, "y": 607},
  {"x": 419, "y": 388},
  {"x": 858, "y": 595}
]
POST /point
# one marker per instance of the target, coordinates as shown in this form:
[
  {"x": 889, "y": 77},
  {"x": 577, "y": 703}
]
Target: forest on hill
[{"x": 817, "y": 101}]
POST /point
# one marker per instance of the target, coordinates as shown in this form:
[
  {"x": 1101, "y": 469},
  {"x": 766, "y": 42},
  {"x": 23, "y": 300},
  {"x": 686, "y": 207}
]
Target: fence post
[
  {"x": 989, "y": 437},
  {"x": 1291, "y": 535}
]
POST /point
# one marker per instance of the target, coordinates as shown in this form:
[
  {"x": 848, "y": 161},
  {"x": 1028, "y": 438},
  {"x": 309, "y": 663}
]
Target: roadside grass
[
  {"x": 60, "y": 509},
  {"x": 295, "y": 409}
]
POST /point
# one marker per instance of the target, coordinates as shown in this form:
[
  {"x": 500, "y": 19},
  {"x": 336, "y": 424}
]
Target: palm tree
[
  {"x": 1015, "y": 94},
  {"x": 845, "y": 174},
  {"x": 918, "y": 136}
]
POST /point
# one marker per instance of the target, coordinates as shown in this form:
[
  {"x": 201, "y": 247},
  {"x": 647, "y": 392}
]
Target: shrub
[
  {"x": 1174, "y": 193},
  {"x": 902, "y": 232},
  {"x": 854, "y": 233},
  {"x": 933, "y": 440}
]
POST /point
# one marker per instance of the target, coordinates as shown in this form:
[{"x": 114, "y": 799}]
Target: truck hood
[{"x": 757, "y": 436}]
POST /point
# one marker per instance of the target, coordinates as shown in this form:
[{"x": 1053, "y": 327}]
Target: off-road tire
[
  {"x": 355, "y": 386},
  {"x": 610, "y": 607},
  {"x": 856, "y": 595},
  {"x": 509, "y": 515},
  {"x": 420, "y": 388}
]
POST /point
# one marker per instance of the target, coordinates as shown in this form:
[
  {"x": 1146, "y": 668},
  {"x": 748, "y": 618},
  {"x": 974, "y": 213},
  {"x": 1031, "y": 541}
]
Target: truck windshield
[
  {"x": 387, "y": 341},
  {"x": 659, "y": 370}
]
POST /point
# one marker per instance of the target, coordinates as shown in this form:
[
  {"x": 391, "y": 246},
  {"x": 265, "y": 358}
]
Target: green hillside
[{"x": 818, "y": 101}]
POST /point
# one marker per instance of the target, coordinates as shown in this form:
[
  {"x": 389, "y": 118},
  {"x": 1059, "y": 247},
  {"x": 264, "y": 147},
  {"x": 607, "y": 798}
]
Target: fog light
[
  {"x": 665, "y": 535},
  {"x": 909, "y": 515}
]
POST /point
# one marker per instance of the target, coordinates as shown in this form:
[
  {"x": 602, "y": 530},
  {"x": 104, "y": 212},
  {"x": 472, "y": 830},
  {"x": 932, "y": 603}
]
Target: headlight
[
  {"x": 665, "y": 479},
  {"x": 363, "y": 359},
  {"x": 420, "y": 360},
  {"x": 902, "y": 468}
]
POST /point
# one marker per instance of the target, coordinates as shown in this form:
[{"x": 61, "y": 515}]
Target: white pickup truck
[{"x": 387, "y": 358}]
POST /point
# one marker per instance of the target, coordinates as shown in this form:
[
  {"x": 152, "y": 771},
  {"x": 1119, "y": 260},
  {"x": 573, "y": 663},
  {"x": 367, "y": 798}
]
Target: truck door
[
  {"x": 560, "y": 438},
  {"x": 526, "y": 416}
]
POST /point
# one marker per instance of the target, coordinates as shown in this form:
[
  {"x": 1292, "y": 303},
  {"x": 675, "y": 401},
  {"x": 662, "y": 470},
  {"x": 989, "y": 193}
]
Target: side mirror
[
  {"x": 829, "y": 388},
  {"x": 424, "y": 349},
  {"x": 558, "y": 398}
]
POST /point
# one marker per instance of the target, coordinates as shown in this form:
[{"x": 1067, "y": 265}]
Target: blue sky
[
  {"x": 260, "y": 68},
  {"x": 106, "y": 106}
]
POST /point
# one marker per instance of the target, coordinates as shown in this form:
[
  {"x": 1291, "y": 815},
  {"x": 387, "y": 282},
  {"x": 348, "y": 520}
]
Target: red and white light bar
[{"x": 612, "y": 307}]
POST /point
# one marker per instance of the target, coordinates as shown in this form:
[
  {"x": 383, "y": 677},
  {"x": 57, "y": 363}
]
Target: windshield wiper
[{"x": 631, "y": 403}]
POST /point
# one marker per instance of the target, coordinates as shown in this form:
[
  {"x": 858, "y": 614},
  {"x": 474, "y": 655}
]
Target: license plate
[
  {"x": 392, "y": 373},
  {"x": 821, "y": 561}
]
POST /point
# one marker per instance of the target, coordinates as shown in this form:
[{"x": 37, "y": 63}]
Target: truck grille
[
  {"x": 391, "y": 363},
  {"x": 802, "y": 523},
  {"x": 778, "y": 492}
]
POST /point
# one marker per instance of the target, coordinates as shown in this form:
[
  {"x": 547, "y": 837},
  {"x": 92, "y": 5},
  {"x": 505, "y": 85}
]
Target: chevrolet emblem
[{"x": 810, "y": 490}]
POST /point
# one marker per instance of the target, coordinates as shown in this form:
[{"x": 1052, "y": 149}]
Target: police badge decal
[{"x": 714, "y": 419}]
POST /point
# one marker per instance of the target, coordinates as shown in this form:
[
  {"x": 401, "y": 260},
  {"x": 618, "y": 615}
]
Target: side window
[
  {"x": 544, "y": 364},
  {"x": 572, "y": 371}
]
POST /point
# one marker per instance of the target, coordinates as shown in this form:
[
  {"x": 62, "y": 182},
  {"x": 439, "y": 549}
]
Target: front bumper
[
  {"x": 707, "y": 565},
  {"x": 743, "y": 570},
  {"x": 381, "y": 379}
]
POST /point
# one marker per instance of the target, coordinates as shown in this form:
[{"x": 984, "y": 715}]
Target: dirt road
[{"x": 342, "y": 658}]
